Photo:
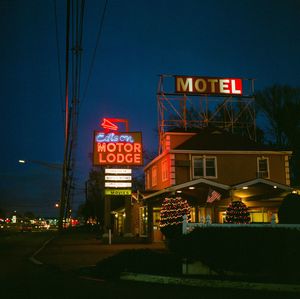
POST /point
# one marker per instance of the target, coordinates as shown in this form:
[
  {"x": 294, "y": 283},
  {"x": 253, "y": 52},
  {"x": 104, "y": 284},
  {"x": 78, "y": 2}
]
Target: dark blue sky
[{"x": 252, "y": 39}]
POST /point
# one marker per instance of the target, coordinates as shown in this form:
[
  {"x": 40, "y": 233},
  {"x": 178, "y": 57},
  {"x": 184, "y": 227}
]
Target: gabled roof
[{"x": 215, "y": 139}]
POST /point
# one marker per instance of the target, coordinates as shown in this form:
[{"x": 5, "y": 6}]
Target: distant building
[{"x": 194, "y": 162}]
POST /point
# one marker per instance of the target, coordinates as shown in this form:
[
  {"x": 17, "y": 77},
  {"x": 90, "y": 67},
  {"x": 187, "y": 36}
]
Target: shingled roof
[{"x": 216, "y": 139}]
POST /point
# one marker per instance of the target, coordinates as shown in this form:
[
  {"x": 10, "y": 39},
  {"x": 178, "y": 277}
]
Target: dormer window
[{"x": 263, "y": 168}]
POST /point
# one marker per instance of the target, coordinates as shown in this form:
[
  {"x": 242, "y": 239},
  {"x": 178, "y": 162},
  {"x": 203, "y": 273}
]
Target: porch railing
[{"x": 187, "y": 227}]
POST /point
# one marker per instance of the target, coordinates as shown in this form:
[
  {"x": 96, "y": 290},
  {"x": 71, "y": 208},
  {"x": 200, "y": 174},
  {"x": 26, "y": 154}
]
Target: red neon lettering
[
  {"x": 100, "y": 159},
  {"x": 128, "y": 147},
  {"x": 137, "y": 158},
  {"x": 129, "y": 158},
  {"x": 110, "y": 158},
  {"x": 101, "y": 147},
  {"x": 120, "y": 158},
  {"x": 137, "y": 147},
  {"x": 111, "y": 147}
]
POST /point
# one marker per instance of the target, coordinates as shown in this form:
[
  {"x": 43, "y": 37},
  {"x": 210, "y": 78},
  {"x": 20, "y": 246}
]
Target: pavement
[
  {"x": 83, "y": 249},
  {"x": 71, "y": 251}
]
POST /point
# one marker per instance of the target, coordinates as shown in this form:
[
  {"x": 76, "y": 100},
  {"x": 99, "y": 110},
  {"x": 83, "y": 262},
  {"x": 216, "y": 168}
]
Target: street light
[
  {"x": 43, "y": 163},
  {"x": 53, "y": 166}
]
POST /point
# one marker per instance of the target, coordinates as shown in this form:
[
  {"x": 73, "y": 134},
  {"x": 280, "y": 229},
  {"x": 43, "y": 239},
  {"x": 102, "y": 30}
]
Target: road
[{"x": 59, "y": 277}]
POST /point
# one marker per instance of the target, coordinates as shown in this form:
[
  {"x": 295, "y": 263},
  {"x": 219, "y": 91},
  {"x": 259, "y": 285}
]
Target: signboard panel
[
  {"x": 117, "y": 191},
  {"x": 118, "y": 171},
  {"x": 118, "y": 184},
  {"x": 118, "y": 148},
  {"x": 118, "y": 178},
  {"x": 208, "y": 85}
]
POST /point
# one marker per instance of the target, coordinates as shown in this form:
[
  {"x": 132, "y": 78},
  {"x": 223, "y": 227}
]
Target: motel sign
[
  {"x": 116, "y": 148},
  {"x": 207, "y": 85}
]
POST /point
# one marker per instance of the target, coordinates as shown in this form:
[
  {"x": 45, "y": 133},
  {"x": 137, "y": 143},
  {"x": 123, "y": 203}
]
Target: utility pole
[
  {"x": 74, "y": 23},
  {"x": 64, "y": 181}
]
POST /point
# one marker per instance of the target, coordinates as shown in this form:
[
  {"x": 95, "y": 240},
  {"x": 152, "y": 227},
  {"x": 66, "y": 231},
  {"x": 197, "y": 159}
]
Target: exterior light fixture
[
  {"x": 179, "y": 191},
  {"x": 275, "y": 187},
  {"x": 245, "y": 187},
  {"x": 191, "y": 188}
]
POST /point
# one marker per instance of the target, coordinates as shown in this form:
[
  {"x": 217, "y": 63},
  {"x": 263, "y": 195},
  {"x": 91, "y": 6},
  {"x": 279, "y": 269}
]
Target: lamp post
[
  {"x": 51, "y": 165},
  {"x": 43, "y": 163}
]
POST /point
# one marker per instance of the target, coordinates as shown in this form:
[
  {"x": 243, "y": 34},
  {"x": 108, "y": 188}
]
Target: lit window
[
  {"x": 154, "y": 175},
  {"x": 164, "y": 170},
  {"x": 204, "y": 167},
  {"x": 147, "y": 179},
  {"x": 263, "y": 167}
]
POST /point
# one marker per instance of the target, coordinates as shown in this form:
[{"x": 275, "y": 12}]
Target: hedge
[{"x": 244, "y": 250}]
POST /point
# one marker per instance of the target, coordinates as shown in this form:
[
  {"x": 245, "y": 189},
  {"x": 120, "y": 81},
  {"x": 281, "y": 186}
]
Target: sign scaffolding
[{"x": 189, "y": 102}]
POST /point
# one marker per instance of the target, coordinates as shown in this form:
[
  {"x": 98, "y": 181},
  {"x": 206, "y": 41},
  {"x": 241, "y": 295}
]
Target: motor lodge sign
[
  {"x": 116, "y": 148},
  {"x": 208, "y": 85}
]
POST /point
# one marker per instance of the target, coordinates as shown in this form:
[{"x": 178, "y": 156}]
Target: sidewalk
[{"x": 82, "y": 249}]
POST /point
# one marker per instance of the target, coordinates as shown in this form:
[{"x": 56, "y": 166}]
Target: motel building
[
  {"x": 193, "y": 162},
  {"x": 196, "y": 156}
]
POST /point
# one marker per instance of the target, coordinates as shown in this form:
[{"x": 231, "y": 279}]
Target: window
[
  {"x": 204, "y": 167},
  {"x": 263, "y": 167},
  {"x": 147, "y": 179},
  {"x": 154, "y": 175},
  {"x": 164, "y": 170}
]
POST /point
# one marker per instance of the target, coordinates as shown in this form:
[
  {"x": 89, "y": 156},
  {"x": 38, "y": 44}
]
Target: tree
[
  {"x": 288, "y": 212},
  {"x": 2, "y": 213},
  {"x": 29, "y": 215},
  {"x": 280, "y": 104},
  {"x": 171, "y": 216},
  {"x": 237, "y": 213},
  {"x": 94, "y": 205}
]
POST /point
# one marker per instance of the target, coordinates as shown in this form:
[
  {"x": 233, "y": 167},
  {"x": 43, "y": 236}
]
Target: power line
[
  {"x": 95, "y": 50},
  {"x": 58, "y": 61}
]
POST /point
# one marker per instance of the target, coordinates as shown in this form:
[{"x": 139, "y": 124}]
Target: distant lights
[
  {"x": 192, "y": 188},
  {"x": 179, "y": 191},
  {"x": 245, "y": 188},
  {"x": 275, "y": 187}
]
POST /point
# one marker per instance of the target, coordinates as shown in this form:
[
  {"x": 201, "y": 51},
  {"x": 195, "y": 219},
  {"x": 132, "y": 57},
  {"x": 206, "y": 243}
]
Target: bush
[
  {"x": 139, "y": 261},
  {"x": 245, "y": 250},
  {"x": 289, "y": 211}
]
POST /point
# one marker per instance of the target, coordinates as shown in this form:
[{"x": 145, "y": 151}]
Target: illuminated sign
[
  {"x": 118, "y": 148},
  {"x": 118, "y": 184},
  {"x": 117, "y": 192},
  {"x": 118, "y": 177},
  {"x": 107, "y": 124},
  {"x": 207, "y": 85},
  {"x": 118, "y": 171}
]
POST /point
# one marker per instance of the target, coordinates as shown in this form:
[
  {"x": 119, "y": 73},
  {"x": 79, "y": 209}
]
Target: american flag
[{"x": 213, "y": 195}]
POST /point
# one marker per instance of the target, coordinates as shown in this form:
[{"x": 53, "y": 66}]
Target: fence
[{"x": 187, "y": 227}]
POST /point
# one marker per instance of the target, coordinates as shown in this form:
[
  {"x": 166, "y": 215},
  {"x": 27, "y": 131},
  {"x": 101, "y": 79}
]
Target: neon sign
[
  {"x": 107, "y": 124},
  {"x": 207, "y": 85},
  {"x": 118, "y": 148},
  {"x": 112, "y": 137}
]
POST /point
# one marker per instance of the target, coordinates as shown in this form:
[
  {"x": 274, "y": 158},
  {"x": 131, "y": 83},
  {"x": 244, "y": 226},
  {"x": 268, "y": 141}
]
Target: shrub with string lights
[
  {"x": 171, "y": 216},
  {"x": 237, "y": 213}
]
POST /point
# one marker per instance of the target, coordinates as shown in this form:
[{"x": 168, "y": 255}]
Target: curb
[
  {"x": 33, "y": 259},
  {"x": 211, "y": 283}
]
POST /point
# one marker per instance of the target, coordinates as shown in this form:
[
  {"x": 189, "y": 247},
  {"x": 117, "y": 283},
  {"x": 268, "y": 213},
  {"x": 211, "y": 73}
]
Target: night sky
[{"x": 140, "y": 39}]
